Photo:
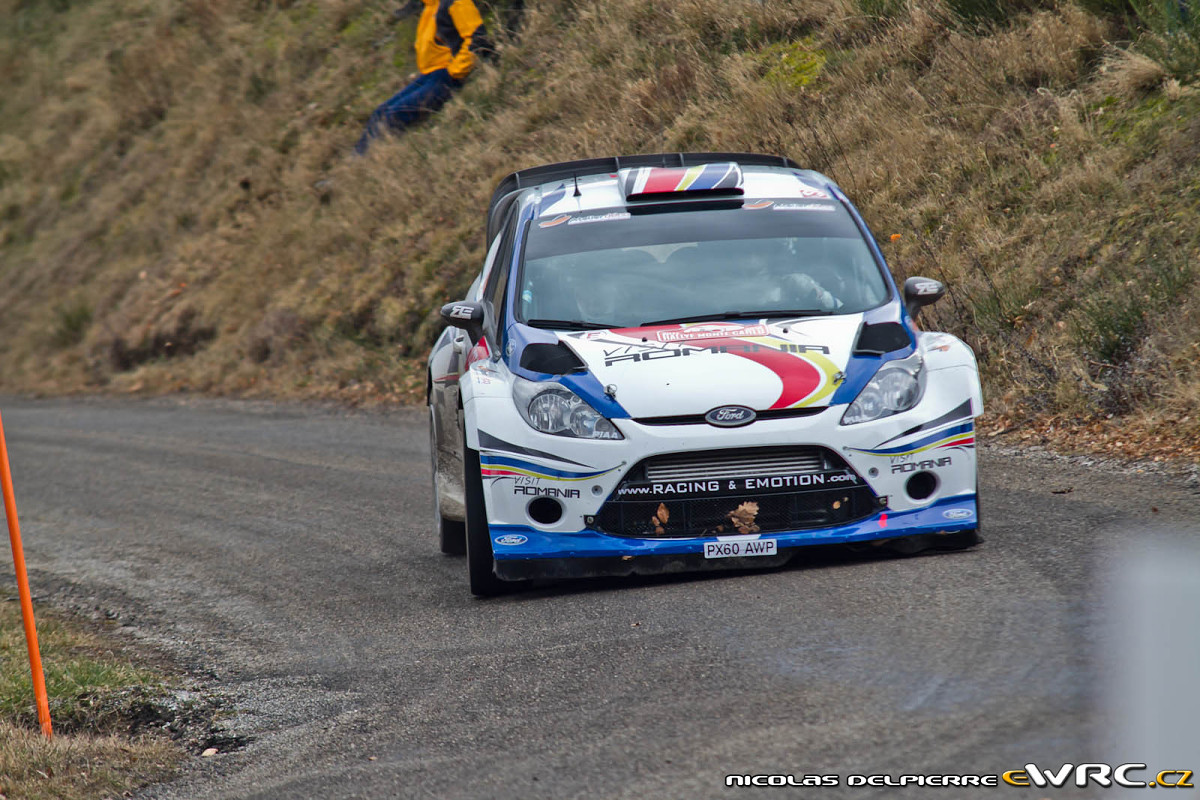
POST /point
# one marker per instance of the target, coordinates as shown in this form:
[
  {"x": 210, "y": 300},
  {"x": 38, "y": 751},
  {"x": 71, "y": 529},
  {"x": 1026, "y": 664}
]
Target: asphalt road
[{"x": 284, "y": 555}]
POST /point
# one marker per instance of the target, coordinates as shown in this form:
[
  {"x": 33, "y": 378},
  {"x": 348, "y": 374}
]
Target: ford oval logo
[{"x": 730, "y": 416}]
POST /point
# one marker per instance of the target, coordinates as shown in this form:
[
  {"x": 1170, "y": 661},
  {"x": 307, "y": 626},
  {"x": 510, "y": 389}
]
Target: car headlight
[
  {"x": 896, "y": 387},
  {"x": 555, "y": 409}
]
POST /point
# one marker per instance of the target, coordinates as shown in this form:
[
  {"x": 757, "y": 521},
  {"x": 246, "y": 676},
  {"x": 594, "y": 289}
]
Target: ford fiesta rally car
[{"x": 691, "y": 361}]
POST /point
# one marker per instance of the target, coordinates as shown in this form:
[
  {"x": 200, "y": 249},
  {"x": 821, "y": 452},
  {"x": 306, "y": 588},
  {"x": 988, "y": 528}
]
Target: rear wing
[{"x": 506, "y": 192}]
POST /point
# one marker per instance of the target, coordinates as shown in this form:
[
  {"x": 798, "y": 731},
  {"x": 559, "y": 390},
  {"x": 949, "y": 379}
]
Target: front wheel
[
  {"x": 480, "y": 564},
  {"x": 959, "y": 540},
  {"x": 964, "y": 539}
]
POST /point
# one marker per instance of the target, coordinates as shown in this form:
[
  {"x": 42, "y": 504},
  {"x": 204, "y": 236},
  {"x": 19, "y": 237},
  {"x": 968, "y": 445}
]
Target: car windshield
[{"x": 611, "y": 268}]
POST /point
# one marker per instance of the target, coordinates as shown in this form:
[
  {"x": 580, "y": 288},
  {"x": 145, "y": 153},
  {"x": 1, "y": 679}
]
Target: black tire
[
  {"x": 480, "y": 563},
  {"x": 978, "y": 507},
  {"x": 972, "y": 538},
  {"x": 452, "y": 533},
  {"x": 959, "y": 540},
  {"x": 927, "y": 542},
  {"x": 452, "y": 536}
]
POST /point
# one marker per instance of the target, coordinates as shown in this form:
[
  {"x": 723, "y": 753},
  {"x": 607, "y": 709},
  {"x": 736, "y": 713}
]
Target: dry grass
[
  {"x": 77, "y": 765},
  {"x": 178, "y": 209},
  {"x": 97, "y": 700}
]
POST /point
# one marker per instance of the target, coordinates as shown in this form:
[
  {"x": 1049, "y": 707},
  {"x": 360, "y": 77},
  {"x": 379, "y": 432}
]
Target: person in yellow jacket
[{"x": 450, "y": 38}]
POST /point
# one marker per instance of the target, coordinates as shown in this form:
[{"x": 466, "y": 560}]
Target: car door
[{"x": 448, "y": 361}]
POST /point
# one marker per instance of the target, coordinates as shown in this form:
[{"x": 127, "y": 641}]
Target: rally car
[{"x": 688, "y": 361}]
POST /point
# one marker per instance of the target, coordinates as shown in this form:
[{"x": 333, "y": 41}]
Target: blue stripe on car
[{"x": 966, "y": 427}]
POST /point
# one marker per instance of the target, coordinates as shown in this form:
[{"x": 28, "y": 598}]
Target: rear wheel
[
  {"x": 452, "y": 533},
  {"x": 480, "y": 564}
]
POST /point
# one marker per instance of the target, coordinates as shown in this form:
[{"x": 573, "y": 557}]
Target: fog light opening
[
  {"x": 921, "y": 485},
  {"x": 545, "y": 510}
]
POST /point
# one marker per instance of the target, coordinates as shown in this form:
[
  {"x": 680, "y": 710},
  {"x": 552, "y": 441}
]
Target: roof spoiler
[
  {"x": 663, "y": 183},
  {"x": 506, "y": 192}
]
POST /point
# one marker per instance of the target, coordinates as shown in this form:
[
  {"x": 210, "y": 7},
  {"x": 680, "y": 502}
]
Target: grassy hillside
[{"x": 179, "y": 209}]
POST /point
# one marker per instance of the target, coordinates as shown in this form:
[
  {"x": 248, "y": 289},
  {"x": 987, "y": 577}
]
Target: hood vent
[
  {"x": 554, "y": 359},
  {"x": 875, "y": 340}
]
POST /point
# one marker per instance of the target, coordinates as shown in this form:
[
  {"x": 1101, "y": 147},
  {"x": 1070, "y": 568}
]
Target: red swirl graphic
[{"x": 798, "y": 375}]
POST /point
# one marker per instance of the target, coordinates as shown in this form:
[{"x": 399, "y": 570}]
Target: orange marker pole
[{"x": 14, "y": 535}]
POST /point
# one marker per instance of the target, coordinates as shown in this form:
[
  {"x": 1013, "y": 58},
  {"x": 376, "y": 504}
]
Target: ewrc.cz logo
[
  {"x": 1104, "y": 775},
  {"x": 1100, "y": 774}
]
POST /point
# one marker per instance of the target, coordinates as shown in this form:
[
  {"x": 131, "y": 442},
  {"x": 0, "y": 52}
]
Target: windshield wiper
[
  {"x": 569, "y": 325},
  {"x": 771, "y": 313}
]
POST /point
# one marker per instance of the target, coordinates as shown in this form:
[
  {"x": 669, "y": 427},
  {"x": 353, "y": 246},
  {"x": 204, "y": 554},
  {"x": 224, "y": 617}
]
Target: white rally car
[{"x": 690, "y": 361}]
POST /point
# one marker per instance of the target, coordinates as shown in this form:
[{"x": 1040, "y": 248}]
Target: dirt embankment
[{"x": 179, "y": 209}]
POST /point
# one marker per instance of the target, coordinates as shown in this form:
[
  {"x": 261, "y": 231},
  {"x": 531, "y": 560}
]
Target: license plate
[{"x": 755, "y": 547}]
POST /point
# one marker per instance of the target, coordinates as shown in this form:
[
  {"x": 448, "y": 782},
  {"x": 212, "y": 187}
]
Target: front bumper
[
  {"x": 524, "y": 552},
  {"x": 521, "y": 465}
]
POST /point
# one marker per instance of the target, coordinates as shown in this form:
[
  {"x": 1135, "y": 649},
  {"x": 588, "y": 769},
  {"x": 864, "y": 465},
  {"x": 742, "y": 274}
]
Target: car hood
[{"x": 670, "y": 370}]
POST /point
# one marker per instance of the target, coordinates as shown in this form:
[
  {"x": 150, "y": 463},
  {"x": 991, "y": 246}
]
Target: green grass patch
[
  {"x": 95, "y": 696},
  {"x": 1137, "y": 126},
  {"x": 881, "y": 9},
  {"x": 36, "y": 22},
  {"x": 1111, "y": 319},
  {"x": 361, "y": 29},
  {"x": 71, "y": 324},
  {"x": 82, "y": 671},
  {"x": 1170, "y": 35},
  {"x": 792, "y": 65}
]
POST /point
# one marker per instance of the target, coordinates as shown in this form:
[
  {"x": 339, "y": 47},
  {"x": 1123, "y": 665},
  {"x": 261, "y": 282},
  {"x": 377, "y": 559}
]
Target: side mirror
[
  {"x": 921, "y": 292},
  {"x": 466, "y": 315}
]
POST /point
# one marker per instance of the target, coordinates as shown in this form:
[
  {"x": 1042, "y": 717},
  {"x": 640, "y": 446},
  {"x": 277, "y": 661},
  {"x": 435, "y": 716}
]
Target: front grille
[
  {"x": 714, "y": 466},
  {"x": 691, "y": 518},
  {"x": 731, "y": 492}
]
